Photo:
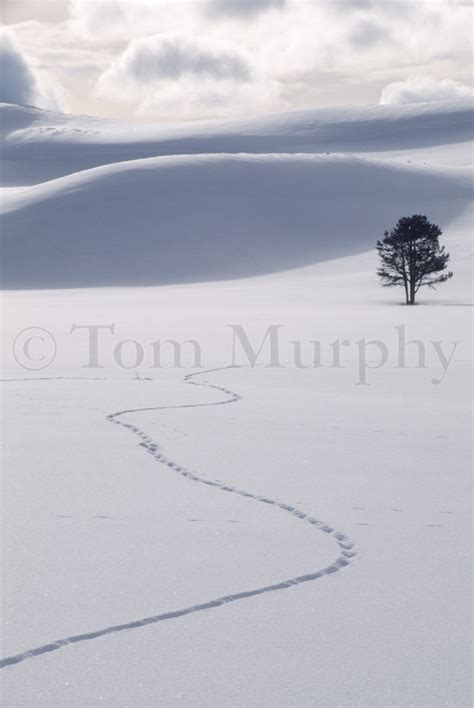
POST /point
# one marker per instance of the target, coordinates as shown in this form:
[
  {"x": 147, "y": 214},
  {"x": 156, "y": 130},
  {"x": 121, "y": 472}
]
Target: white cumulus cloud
[
  {"x": 20, "y": 82},
  {"x": 178, "y": 73},
  {"x": 170, "y": 56},
  {"x": 423, "y": 89}
]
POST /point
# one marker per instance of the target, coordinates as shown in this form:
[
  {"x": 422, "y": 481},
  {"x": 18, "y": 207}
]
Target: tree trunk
[
  {"x": 406, "y": 292},
  {"x": 411, "y": 273}
]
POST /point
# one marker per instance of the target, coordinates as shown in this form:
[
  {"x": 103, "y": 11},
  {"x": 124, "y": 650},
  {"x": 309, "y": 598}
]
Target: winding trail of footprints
[{"x": 345, "y": 546}]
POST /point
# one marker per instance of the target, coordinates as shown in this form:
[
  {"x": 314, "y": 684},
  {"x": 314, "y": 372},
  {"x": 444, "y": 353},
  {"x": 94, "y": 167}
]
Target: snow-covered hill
[
  {"x": 40, "y": 145},
  {"x": 212, "y": 214},
  {"x": 209, "y": 217}
]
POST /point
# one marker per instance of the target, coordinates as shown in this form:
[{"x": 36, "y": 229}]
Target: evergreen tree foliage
[{"x": 411, "y": 256}]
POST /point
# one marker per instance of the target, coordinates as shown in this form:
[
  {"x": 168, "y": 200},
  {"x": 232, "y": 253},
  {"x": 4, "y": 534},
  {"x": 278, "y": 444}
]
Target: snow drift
[
  {"x": 40, "y": 145},
  {"x": 194, "y": 218},
  {"x": 107, "y": 205}
]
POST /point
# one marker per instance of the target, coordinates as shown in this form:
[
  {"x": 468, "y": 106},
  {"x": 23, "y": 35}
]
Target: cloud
[
  {"x": 221, "y": 100},
  {"x": 20, "y": 83},
  {"x": 422, "y": 89},
  {"x": 166, "y": 73},
  {"x": 127, "y": 58},
  {"x": 101, "y": 18},
  {"x": 364, "y": 34},
  {"x": 242, "y": 8},
  {"x": 14, "y": 11},
  {"x": 174, "y": 75},
  {"x": 101, "y": 22},
  {"x": 170, "y": 57}
]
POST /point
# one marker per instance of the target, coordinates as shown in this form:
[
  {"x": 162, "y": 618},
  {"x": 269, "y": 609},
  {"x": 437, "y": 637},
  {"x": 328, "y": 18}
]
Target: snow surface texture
[{"x": 162, "y": 592}]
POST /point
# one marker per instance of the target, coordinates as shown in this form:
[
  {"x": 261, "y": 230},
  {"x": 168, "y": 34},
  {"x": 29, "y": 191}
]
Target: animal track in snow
[{"x": 345, "y": 546}]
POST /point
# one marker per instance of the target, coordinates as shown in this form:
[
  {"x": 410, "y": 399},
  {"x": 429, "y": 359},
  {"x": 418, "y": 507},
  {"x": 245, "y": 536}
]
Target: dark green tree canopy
[{"x": 411, "y": 256}]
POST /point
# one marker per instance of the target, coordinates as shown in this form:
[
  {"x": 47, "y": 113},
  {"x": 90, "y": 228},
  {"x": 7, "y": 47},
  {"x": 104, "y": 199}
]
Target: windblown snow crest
[{"x": 344, "y": 544}]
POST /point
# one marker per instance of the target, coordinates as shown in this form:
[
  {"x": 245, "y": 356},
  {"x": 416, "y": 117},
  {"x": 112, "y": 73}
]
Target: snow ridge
[{"x": 345, "y": 545}]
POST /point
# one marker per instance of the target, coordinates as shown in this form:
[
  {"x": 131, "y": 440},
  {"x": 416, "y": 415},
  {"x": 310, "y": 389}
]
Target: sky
[{"x": 185, "y": 60}]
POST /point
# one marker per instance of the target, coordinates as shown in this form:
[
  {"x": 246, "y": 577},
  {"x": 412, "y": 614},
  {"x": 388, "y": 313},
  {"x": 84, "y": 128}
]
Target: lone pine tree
[{"x": 412, "y": 256}]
